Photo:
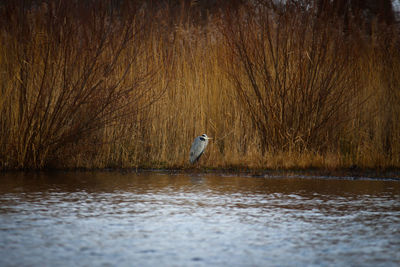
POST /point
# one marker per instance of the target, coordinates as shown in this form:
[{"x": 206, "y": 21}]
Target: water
[{"x": 156, "y": 219}]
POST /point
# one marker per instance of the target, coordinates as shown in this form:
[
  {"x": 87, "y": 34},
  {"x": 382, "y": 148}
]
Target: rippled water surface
[{"x": 156, "y": 219}]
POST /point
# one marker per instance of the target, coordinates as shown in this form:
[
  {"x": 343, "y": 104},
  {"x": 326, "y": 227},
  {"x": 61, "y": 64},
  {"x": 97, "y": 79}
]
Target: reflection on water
[{"x": 155, "y": 219}]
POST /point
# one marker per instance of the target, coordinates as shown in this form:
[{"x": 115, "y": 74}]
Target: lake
[{"x": 108, "y": 218}]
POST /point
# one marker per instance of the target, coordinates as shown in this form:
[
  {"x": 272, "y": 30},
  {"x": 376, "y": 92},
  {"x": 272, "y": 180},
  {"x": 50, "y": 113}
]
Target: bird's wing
[{"x": 196, "y": 150}]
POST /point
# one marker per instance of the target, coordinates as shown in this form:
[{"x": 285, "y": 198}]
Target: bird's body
[{"x": 198, "y": 147}]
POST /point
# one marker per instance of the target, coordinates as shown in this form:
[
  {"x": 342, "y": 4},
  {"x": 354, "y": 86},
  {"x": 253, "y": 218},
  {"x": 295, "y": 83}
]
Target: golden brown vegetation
[{"x": 131, "y": 85}]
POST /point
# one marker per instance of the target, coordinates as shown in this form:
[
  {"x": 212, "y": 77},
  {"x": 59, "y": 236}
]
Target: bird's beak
[{"x": 208, "y": 137}]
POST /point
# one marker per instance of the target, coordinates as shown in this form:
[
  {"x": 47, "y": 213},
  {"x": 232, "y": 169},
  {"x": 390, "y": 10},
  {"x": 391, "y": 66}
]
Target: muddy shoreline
[{"x": 353, "y": 173}]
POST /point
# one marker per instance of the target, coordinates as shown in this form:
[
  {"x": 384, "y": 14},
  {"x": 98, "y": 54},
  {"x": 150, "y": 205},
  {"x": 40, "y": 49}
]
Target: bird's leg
[{"x": 197, "y": 165}]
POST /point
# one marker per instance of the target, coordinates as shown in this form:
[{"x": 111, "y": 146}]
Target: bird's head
[{"x": 205, "y": 136}]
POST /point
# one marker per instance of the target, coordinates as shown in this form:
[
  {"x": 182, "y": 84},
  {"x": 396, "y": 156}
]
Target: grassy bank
[{"x": 126, "y": 85}]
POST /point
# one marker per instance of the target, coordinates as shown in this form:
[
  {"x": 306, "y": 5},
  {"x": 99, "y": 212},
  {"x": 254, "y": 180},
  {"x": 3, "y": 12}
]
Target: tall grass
[
  {"x": 70, "y": 70},
  {"x": 295, "y": 75},
  {"x": 128, "y": 84}
]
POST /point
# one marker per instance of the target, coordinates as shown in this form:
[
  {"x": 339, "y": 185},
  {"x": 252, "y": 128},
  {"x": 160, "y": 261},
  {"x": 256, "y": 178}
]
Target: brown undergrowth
[{"x": 125, "y": 84}]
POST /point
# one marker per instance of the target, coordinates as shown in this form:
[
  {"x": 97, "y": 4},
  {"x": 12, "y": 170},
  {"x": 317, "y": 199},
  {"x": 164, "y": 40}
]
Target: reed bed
[{"x": 129, "y": 84}]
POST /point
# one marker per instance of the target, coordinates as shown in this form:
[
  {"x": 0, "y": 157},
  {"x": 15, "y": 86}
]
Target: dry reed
[{"x": 130, "y": 85}]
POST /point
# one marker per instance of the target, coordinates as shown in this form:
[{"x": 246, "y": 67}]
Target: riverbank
[
  {"x": 353, "y": 173},
  {"x": 134, "y": 89}
]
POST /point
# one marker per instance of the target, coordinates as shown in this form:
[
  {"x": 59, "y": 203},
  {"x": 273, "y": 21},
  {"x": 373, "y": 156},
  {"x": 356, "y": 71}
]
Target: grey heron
[{"x": 198, "y": 147}]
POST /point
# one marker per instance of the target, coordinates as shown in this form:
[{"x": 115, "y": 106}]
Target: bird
[{"x": 198, "y": 147}]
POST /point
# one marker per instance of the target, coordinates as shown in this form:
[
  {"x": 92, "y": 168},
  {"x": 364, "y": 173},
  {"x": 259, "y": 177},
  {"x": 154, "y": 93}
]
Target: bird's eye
[{"x": 202, "y": 139}]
